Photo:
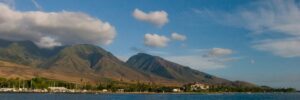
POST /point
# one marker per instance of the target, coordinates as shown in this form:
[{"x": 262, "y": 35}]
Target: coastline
[
  {"x": 148, "y": 96},
  {"x": 150, "y": 93}
]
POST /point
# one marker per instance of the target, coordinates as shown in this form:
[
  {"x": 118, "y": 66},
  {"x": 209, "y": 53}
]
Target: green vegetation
[
  {"x": 129, "y": 87},
  {"x": 250, "y": 89},
  {"x": 115, "y": 86},
  {"x": 35, "y": 83},
  {"x": 241, "y": 89}
]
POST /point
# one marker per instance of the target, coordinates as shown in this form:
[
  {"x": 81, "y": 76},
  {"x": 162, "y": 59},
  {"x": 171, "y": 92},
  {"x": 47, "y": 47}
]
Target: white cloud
[
  {"x": 281, "y": 16},
  {"x": 159, "y": 18},
  {"x": 195, "y": 58},
  {"x": 200, "y": 60},
  {"x": 59, "y": 27},
  {"x": 178, "y": 37},
  {"x": 197, "y": 62},
  {"x": 155, "y": 40},
  {"x": 10, "y": 3},
  {"x": 283, "y": 47},
  {"x": 218, "y": 52},
  {"x": 278, "y": 19},
  {"x": 48, "y": 42}
]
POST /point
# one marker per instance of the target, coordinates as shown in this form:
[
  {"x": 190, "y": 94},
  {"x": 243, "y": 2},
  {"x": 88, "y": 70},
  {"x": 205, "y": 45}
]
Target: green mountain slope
[
  {"x": 92, "y": 59},
  {"x": 79, "y": 59},
  {"x": 89, "y": 62},
  {"x": 163, "y": 68}
]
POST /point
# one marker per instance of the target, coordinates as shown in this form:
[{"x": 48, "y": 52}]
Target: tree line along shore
[{"x": 43, "y": 85}]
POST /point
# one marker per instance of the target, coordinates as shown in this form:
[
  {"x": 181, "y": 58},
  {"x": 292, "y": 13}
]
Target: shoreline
[{"x": 148, "y": 93}]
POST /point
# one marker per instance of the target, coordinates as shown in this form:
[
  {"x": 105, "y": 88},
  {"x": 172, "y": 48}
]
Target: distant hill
[
  {"x": 74, "y": 63},
  {"x": 161, "y": 67}
]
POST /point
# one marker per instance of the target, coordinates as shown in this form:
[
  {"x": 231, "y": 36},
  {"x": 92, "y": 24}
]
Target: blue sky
[{"x": 255, "y": 41}]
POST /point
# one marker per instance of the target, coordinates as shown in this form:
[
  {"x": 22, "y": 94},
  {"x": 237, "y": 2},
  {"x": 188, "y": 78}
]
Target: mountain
[
  {"x": 86, "y": 59},
  {"x": 173, "y": 71},
  {"x": 12, "y": 70},
  {"x": 73, "y": 63},
  {"x": 83, "y": 61},
  {"x": 25, "y": 52}
]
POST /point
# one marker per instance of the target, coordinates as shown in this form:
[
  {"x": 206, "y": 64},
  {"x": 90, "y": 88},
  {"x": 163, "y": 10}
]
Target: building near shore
[
  {"x": 104, "y": 90},
  {"x": 176, "y": 90},
  {"x": 199, "y": 86},
  {"x": 196, "y": 86},
  {"x": 7, "y": 89},
  {"x": 120, "y": 90},
  {"x": 58, "y": 89},
  {"x": 40, "y": 90}
]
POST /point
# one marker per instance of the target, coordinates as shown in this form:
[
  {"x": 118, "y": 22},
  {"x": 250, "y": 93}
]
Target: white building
[
  {"x": 40, "y": 90},
  {"x": 199, "y": 86},
  {"x": 7, "y": 89},
  {"x": 104, "y": 90},
  {"x": 120, "y": 90},
  {"x": 176, "y": 90},
  {"x": 58, "y": 89}
]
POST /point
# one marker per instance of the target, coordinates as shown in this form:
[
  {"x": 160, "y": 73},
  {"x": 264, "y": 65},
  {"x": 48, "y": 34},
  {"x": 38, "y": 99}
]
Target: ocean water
[{"x": 258, "y": 96}]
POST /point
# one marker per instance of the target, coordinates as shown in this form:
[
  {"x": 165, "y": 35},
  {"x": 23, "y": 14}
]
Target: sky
[{"x": 250, "y": 40}]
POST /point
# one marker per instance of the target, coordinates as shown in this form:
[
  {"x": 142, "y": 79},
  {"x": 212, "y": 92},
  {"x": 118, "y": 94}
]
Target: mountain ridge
[
  {"x": 157, "y": 65},
  {"x": 96, "y": 64}
]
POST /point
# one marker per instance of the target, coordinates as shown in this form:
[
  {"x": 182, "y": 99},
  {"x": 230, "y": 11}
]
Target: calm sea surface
[{"x": 259, "y": 96}]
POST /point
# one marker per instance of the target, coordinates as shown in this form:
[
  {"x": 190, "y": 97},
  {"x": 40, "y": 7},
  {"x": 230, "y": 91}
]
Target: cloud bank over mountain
[{"x": 49, "y": 29}]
